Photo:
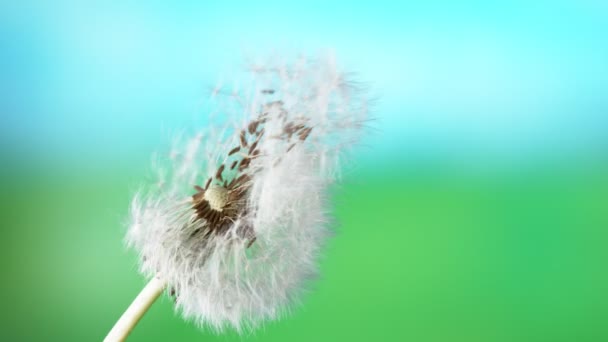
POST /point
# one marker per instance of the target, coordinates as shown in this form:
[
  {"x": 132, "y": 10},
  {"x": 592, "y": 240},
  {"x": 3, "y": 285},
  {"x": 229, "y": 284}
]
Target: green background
[
  {"x": 476, "y": 208},
  {"x": 421, "y": 255}
]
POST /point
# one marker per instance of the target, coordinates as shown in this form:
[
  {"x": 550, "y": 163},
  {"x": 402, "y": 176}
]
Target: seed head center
[{"x": 217, "y": 196}]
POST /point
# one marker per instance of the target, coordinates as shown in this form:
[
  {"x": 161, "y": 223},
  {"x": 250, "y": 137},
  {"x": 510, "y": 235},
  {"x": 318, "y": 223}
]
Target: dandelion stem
[{"x": 136, "y": 310}]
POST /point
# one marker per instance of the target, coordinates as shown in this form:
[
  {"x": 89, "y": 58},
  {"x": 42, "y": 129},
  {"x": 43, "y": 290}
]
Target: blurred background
[{"x": 477, "y": 209}]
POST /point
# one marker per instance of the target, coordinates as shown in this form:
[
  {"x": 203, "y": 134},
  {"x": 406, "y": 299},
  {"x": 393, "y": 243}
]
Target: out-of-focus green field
[{"x": 421, "y": 254}]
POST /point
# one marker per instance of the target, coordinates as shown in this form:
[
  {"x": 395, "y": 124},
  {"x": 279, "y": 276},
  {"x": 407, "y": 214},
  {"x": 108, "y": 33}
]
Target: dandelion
[{"x": 235, "y": 223}]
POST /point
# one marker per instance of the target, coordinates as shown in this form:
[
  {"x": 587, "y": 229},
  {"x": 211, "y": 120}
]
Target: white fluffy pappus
[{"x": 238, "y": 249}]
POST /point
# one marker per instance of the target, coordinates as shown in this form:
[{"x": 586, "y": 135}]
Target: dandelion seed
[{"x": 238, "y": 250}]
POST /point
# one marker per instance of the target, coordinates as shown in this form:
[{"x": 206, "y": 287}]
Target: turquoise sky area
[{"x": 466, "y": 79}]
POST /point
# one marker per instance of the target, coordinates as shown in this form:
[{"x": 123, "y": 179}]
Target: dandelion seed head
[{"x": 240, "y": 247}]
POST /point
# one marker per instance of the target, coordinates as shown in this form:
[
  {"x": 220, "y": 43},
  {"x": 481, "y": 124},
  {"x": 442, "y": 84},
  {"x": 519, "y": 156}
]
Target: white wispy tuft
[{"x": 238, "y": 248}]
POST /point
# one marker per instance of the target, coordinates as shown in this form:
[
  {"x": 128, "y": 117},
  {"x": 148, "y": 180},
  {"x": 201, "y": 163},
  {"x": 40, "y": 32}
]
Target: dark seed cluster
[{"x": 234, "y": 176}]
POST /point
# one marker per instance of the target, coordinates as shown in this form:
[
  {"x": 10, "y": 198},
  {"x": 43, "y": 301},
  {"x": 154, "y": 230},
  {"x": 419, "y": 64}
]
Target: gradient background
[{"x": 478, "y": 210}]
